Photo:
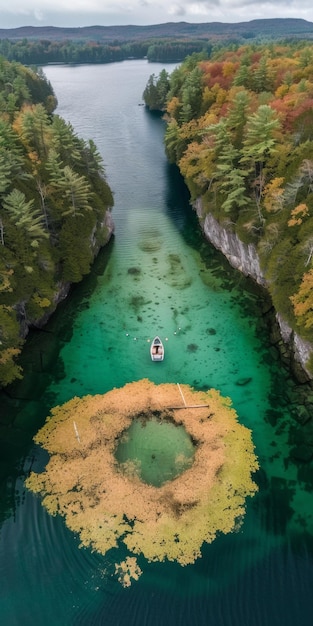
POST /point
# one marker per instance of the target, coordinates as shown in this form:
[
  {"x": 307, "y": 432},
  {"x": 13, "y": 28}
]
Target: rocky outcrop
[
  {"x": 106, "y": 231},
  {"x": 63, "y": 288},
  {"x": 300, "y": 350},
  {"x": 244, "y": 257}
]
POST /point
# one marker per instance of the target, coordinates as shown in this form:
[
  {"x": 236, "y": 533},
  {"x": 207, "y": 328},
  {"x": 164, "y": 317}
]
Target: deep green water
[{"x": 157, "y": 276}]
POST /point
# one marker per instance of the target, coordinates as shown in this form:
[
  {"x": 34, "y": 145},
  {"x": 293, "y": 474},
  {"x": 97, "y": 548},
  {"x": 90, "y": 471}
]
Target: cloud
[
  {"x": 39, "y": 16},
  {"x": 108, "y": 12},
  {"x": 177, "y": 9}
]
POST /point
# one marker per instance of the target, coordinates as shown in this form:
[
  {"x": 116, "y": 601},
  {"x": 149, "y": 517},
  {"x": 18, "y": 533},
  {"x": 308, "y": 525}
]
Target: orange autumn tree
[{"x": 297, "y": 214}]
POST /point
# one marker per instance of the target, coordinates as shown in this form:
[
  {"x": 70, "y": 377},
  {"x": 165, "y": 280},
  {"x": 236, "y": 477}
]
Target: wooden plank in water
[
  {"x": 181, "y": 393},
  {"x": 76, "y": 432},
  {"x": 185, "y": 405},
  {"x": 189, "y": 406}
]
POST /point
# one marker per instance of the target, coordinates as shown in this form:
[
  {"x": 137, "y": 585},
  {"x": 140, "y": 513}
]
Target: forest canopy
[
  {"x": 240, "y": 128},
  {"x": 43, "y": 51},
  {"x": 53, "y": 205},
  {"x": 165, "y": 42}
]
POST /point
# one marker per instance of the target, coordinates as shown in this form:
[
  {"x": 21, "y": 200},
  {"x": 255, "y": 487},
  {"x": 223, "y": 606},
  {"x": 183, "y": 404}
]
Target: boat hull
[{"x": 157, "y": 350}]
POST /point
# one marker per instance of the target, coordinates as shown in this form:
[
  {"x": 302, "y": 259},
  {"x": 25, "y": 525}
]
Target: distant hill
[{"x": 269, "y": 28}]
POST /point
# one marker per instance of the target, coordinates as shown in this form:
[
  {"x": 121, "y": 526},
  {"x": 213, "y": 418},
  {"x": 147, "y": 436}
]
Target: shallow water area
[{"x": 157, "y": 451}]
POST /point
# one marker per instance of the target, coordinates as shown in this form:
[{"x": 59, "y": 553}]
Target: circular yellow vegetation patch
[{"x": 105, "y": 503}]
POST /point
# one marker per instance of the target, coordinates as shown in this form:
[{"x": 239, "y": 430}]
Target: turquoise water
[
  {"x": 157, "y": 449},
  {"x": 157, "y": 276}
]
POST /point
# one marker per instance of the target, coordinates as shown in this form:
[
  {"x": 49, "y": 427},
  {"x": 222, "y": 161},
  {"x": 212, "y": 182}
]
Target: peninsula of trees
[
  {"x": 240, "y": 128},
  {"x": 54, "y": 205}
]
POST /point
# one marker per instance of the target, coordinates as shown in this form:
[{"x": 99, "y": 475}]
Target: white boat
[{"x": 157, "y": 349}]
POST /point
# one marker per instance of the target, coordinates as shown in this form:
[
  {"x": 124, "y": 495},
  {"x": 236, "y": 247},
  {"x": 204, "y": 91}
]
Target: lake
[{"x": 158, "y": 276}]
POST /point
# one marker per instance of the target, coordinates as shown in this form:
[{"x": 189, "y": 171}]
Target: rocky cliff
[
  {"x": 62, "y": 288},
  {"x": 244, "y": 257}
]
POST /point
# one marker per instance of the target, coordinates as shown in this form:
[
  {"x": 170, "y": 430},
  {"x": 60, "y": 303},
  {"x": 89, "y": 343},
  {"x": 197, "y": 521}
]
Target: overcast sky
[{"x": 112, "y": 12}]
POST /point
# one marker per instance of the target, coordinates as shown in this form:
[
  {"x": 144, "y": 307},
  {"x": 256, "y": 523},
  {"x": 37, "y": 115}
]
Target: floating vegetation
[
  {"x": 106, "y": 505},
  {"x": 126, "y": 570}
]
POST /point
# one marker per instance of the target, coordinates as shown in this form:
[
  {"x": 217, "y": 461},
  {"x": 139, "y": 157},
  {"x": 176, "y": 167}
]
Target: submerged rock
[{"x": 241, "y": 382}]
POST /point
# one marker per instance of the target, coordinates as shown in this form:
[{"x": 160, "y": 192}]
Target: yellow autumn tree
[
  {"x": 297, "y": 214},
  {"x": 173, "y": 107},
  {"x": 9, "y": 370},
  {"x": 303, "y": 301},
  {"x": 229, "y": 68},
  {"x": 197, "y": 165},
  {"x": 274, "y": 195}
]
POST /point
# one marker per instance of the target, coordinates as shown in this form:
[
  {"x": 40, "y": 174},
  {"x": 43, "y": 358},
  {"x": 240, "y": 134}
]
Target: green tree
[
  {"x": 237, "y": 115},
  {"x": 76, "y": 260},
  {"x": 76, "y": 190},
  {"x": 65, "y": 142},
  {"x": 171, "y": 141},
  {"x": 261, "y": 138},
  {"x": 34, "y": 128},
  {"x": 191, "y": 95},
  {"x": 156, "y": 91},
  {"x": 24, "y": 215},
  {"x": 92, "y": 159},
  {"x": 230, "y": 177},
  {"x": 243, "y": 76},
  {"x": 262, "y": 79}
]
